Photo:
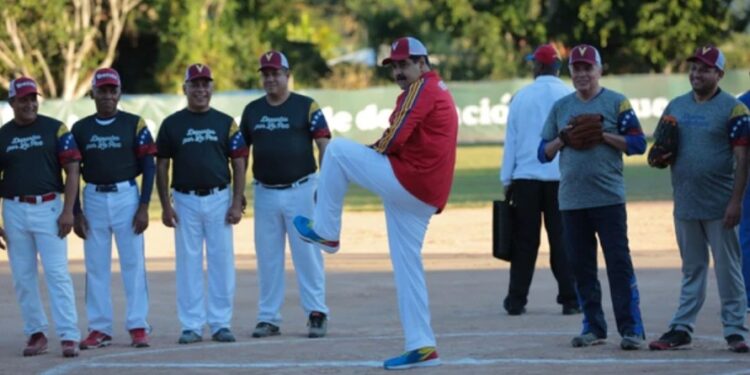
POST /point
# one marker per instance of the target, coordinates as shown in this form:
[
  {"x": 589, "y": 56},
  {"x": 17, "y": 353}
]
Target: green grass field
[{"x": 477, "y": 182}]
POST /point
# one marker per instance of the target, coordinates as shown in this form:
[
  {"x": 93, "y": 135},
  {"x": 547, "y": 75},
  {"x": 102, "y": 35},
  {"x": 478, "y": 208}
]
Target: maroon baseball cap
[
  {"x": 404, "y": 47},
  {"x": 21, "y": 87},
  {"x": 545, "y": 54},
  {"x": 273, "y": 60},
  {"x": 105, "y": 76},
  {"x": 709, "y": 55},
  {"x": 586, "y": 54},
  {"x": 196, "y": 71}
]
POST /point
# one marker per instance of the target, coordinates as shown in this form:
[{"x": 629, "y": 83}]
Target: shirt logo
[
  {"x": 273, "y": 123},
  {"x": 103, "y": 143},
  {"x": 25, "y": 143},
  {"x": 200, "y": 136}
]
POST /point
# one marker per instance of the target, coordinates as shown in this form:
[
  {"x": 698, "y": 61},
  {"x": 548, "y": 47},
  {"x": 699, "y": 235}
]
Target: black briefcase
[{"x": 502, "y": 229}]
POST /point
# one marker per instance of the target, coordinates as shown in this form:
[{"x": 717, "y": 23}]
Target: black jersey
[{"x": 281, "y": 137}]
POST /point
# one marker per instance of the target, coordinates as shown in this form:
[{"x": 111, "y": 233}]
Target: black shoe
[
  {"x": 737, "y": 343},
  {"x": 672, "y": 339},
  {"x": 513, "y": 310},
  {"x": 318, "y": 323},
  {"x": 264, "y": 329},
  {"x": 571, "y": 309}
]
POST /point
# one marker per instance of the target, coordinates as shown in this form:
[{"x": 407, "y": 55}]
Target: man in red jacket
[{"x": 411, "y": 168}]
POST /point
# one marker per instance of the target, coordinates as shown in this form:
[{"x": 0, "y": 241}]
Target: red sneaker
[
  {"x": 69, "y": 348},
  {"x": 139, "y": 338},
  {"x": 95, "y": 340},
  {"x": 36, "y": 345}
]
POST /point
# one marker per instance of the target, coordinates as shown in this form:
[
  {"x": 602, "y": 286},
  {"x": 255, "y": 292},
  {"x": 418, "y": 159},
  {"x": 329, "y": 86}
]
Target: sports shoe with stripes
[
  {"x": 304, "y": 227},
  {"x": 96, "y": 339},
  {"x": 36, "y": 345},
  {"x": 422, "y": 357}
]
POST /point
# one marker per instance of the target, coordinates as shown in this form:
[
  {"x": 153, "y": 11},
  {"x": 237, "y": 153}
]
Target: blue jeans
[
  {"x": 581, "y": 228},
  {"x": 745, "y": 242}
]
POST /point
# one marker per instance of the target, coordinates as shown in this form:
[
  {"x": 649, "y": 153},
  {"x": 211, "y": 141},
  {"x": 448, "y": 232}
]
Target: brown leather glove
[
  {"x": 664, "y": 149},
  {"x": 583, "y": 132}
]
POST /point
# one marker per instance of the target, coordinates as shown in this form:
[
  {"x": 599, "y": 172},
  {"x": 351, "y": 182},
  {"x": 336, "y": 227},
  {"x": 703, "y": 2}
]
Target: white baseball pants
[
  {"x": 274, "y": 212},
  {"x": 406, "y": 219},
  {"x": 204, "y": 219},
  {"x": 111, "y": 214},
  {"x": 32, "y": 229}
]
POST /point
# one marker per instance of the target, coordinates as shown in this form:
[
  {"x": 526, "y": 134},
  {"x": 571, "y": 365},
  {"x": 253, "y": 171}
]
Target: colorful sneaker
[
  {"x": 318, "y": 323},
  {"x": 631, "y": 341},
  {"x": 672, "y": 339},
  {"x": 36, "y": 345},
  {"x": 189, "y": 337},
  {"x": 422, "y": 357},
  {"x": 138, "y": 338},
  {"x": 737, "y": 344},
  {"x": 223, "y": 335},
  {"x": 69, "y": 348},
  {"x": 586, "y": 339},
  {"x": 305, "y": 229},
  {"x": 264, "y": 329},
  {"x": 96, "y": 339}
]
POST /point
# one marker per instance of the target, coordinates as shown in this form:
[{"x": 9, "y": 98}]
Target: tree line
[{"x": 150, "y": 42}]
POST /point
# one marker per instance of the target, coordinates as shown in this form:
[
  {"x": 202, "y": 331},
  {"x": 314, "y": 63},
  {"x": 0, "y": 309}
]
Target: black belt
[
  {"x": 201, "y": 192},
  {"x": 284, "y": 186},
  {"x": 114, "y": 187}
]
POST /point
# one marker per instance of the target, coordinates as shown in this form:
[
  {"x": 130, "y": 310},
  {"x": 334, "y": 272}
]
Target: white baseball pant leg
[
  {"x": 202, "y": 218},
  {"x": 406, "y": 217},
  {"x": 274, "y": 212},
  {"x": 107, "y": 214},
  {"x": 32, "y": 229}
]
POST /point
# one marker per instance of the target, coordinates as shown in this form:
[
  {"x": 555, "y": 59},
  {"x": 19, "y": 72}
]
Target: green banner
[{"x": 363, "y": 114}]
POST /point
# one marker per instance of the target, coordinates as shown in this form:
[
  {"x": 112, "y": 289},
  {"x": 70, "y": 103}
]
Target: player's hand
[
  {"x": 732, "y": 214},
  {"x": 234, "y": 215},
  {"x": 65, "y": 223},
  {"x": 3, "y": 240},
  {"x": 169, "y": 217},
  {"x": 80, "y": 225},
  {"x": 140, "y": 220},
  {"x": 244, "y": 203}
]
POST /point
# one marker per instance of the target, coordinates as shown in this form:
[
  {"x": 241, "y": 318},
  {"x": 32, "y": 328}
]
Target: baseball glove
[
  {"x": 583, "y": 132},
  {"x": 664, "y": 150}
]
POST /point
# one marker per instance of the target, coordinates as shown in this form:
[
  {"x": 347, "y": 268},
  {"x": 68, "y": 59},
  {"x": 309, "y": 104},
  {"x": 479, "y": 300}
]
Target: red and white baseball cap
[
  {"x": 105, "y": 76},
  {"x": 273, "y": 60},
  {"x": 404, "y": 47},
  {"x": 709, "y": 55},
  {"x": 21, "y": 87},
  {"x": 545, "y": 54},
  {"x": 196, "y": 71},
  {"x": 586, "y": 54}
]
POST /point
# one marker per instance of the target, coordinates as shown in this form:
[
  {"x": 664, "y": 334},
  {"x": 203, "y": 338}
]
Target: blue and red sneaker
[
  {"x": 305, "y": 229},
  {"x": 422, "y": 357}
]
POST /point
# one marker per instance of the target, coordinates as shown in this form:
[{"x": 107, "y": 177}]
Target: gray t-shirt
[
  {"x": 593, "y": 178},
  {"x": 703, "y": 171}
]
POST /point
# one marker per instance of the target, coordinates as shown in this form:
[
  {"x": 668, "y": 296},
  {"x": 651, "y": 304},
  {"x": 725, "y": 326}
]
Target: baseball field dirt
[{"x": 466, "y": 287}]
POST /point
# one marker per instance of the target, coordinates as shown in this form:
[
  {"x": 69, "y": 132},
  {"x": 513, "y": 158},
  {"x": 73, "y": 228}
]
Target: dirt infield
[{"x": 466, "y": 287}]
